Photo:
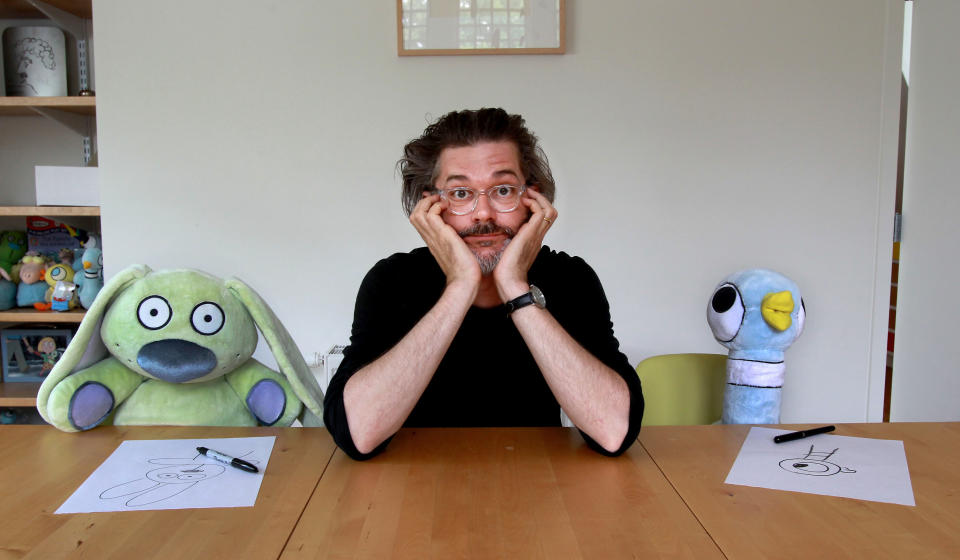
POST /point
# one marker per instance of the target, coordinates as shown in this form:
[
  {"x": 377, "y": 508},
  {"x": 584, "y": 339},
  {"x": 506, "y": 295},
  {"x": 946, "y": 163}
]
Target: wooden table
[
  {"x": 483, "y": 493},
  {"x": 43, "y": 466},
  {"x": 748, "y": 522},
  {"x": 496, "y": 493}
]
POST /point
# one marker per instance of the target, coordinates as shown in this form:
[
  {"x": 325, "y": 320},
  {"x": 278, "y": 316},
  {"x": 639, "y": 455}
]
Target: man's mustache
[{"x": 487, "y": 228}]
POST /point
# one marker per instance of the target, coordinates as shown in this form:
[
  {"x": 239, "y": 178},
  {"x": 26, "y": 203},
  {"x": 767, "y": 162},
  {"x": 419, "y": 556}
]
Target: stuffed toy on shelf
[
  {"x": 8, "y": 291},
  {"x": 756, "y": 314},
  {"x": 61, "y": 294},
  {"x": 91, "y": 242},
  {"x": 174, "y": 347},
  {"x": 32, "y": 287},
  {"x": 13, "y": 246},
  {"x": 90, "y": 279}
]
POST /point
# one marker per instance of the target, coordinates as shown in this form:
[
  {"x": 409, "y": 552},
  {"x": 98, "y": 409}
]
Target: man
[{"x": 457, "y": 333}]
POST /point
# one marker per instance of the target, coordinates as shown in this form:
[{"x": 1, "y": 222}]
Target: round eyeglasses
[{"x": 463, "y": 200}]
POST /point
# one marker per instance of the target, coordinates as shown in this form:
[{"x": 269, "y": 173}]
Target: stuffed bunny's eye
[
  {"x": 207, "y": 318},
  {"x": 154, "y": 312},
  {"x": 725, "y": 313}
]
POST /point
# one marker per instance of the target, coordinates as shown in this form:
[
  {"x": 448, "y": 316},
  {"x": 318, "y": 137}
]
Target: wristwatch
[{"x": 534, "y": 296}]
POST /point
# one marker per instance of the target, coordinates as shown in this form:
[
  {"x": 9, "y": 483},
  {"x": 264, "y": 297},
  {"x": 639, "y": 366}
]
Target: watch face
[{"x": 537, "y": 296}]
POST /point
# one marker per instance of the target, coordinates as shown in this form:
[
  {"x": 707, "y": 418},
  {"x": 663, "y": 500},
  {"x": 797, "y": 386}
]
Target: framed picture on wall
[
  {"x": 469, "y": 27},
  {"x": 30, "y": 353}
]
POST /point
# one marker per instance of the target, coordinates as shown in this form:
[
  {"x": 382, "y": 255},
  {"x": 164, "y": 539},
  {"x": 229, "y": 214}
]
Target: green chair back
[{"x": 683, "y": 389}]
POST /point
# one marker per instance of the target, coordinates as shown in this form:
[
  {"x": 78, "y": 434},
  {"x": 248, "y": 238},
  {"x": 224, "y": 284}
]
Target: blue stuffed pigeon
[
  {"x": 92, "y": 274},
  {"x": 756, "y": 314}
]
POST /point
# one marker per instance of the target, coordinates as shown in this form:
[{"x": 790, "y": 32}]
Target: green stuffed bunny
[{"x": 174, "y": 347}]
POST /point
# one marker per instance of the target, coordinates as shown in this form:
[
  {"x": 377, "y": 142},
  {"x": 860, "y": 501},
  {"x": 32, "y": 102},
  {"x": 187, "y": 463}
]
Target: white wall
[
  {"x": 925, "y": 381},
  {"x": 689, "y": 140}
]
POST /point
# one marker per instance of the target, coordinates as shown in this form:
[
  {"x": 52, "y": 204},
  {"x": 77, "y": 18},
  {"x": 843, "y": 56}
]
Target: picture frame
[
  {"x": 480, "y": 27},
  {"x": 30, "y": 353}
]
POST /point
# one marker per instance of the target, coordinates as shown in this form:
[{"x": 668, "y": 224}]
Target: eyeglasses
[{"x": 463, "y": 200}]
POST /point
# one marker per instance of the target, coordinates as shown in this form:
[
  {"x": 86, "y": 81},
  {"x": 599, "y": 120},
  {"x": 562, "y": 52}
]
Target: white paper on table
[
  {"x": 843, "y": 466},
  {"x": 171, "y": 474}
]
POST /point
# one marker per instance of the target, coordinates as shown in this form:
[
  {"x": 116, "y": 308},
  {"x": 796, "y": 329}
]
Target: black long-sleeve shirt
[{"x": 488, "y": 376}]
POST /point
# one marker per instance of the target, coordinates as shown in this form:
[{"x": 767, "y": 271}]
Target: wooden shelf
[
  {"x": 61, "y": 109},
  {"x": 19, "y": 394},
  {"x": 23, "y": 106},
  {"x": 49, "y": 211},
  {"x": 27, "y": 315},
  {"x": 18, "y": 9}
]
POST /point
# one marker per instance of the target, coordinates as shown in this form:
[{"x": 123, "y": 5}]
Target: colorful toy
[
  {"x": 13, "y": 246},
  {"x": 175, "y": 347},
  {"x": 91, "y": 281},
  {"x": 92, "y": 242},
  {"x": 8, "y": 291},
  {"x": 31, "y": 288},
  {"x": 61, "y": 294},
  {"x": 67, "y": 256},
  {"x": 756, "y": 314}
]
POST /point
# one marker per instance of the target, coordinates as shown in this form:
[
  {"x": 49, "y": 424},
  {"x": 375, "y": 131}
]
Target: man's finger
[
  {"x": 436, "y": 208},
  {"x": 425, "y": 203}
]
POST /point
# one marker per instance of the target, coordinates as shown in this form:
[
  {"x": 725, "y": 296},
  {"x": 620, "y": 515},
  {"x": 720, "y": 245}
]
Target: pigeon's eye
[
  {"x": 725, "y": 313},
  {"x": 801, "y": 317},
  {"x": 207, "y": 318},
  {"x": 154, "y": 312}
]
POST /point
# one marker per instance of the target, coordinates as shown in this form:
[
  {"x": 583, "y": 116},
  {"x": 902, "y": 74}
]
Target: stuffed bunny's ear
[
  {"x": 86, "y": 347},
  {"x": 288, "y": 356}
]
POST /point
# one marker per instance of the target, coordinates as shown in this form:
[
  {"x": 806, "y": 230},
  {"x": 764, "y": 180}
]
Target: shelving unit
[
  {"x": 25, "y": 315},
  {"x": 25, "y": 394},
  {"x": 26, "y": 106},
  {"x": 19, "y": 394},
  {"x": 50, "y": 211},
  {"x": 76, "y": 113},
  {"x": 22, "y": 9}
]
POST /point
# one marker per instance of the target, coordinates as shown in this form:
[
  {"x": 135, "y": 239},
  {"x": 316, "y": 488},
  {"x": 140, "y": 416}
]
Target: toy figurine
[
  {"x": 31, "y": 288},
  {"x": 8, "y": 291},
  {"x": 13, "y": 246},
  {"x": 175, "y": 347},
  {"x": 756, "y": 314},
  {"x": 92, "y": 283},
  {"x": 92, "y": 242},
  {"x": 61, "y": 294}
]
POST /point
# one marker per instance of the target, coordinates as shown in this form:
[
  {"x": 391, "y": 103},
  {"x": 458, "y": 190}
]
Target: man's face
[{"x": 480, "y": 167}]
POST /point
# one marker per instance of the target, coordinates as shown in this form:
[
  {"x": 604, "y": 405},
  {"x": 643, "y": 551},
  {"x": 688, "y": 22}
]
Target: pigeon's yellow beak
[{"x": 776, "y": 309}]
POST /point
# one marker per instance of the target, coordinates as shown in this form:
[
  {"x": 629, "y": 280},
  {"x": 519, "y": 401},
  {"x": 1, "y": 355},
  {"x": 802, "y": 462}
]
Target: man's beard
[{"x": 488, "y": 262}]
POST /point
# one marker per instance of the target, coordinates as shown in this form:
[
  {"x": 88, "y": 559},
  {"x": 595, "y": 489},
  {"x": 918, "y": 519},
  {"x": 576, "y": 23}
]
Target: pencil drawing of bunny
[{"x": 164, "y": 482}]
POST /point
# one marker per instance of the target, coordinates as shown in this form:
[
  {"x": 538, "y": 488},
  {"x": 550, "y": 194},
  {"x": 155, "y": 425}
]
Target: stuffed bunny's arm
[{"x": 85, "y": 399}]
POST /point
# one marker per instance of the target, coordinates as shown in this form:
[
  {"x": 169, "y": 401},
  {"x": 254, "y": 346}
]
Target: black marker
[
  {"x": 802, "y": 434},
  {"x": 232, "y": 461}
]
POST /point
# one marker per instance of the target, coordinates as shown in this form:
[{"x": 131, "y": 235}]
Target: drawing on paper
[
  {"x": 179, "y": 475},
  {"x": 814, "y": 463},
  {"x": 169, "y": 474},
  {"x": 29, "y": 51}
]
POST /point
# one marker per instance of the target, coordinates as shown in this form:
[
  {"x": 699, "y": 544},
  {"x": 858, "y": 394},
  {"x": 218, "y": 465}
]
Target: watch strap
[
  {"x": 533, "y": 297},
  {"x": 518, "y": 302}
]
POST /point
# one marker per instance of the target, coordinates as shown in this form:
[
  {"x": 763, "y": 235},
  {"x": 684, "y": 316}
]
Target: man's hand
[
  {"x": 378, "y": 398},
  {"x": 510, "y": 275},
  {"x": 448, "y": 248}
]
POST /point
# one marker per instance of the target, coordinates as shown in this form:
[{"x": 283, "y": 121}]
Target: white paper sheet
[
  {"x": 171, "y": 474},
  {"x": 848, "y": 467}
]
